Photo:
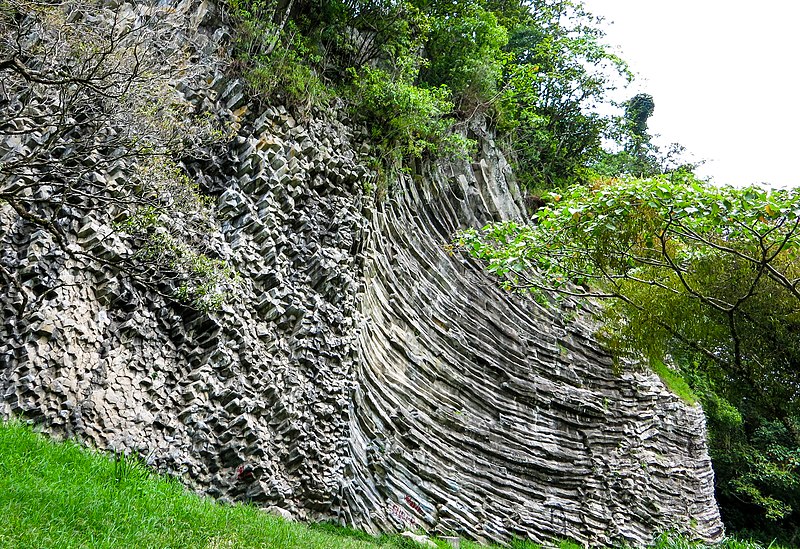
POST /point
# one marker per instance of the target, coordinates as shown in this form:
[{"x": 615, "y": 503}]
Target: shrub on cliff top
[{"x": 411, "y": 68}]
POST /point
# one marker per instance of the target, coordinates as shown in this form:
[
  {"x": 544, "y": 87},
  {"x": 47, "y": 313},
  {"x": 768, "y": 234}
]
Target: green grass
[
  {"x": 61, "y": 495},
  {"x": 674, "y": 382},
  {"x": 64, "y": 496}
]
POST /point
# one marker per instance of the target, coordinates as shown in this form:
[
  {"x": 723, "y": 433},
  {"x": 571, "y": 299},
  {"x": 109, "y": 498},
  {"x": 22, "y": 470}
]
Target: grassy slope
[
  {"x": 64, "y": 496},
  {"x": 61, "y": 495}
]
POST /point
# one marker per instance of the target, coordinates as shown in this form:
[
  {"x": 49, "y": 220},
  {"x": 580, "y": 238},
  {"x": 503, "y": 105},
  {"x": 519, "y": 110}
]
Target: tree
[
  {"x": 712, "y": 270},
  {"x": 560, "y": 131},
  {"x": 638, "y": 110},
  {"x": 93, "y": 127},
  {"x": 465, "y": 52},
  {"x": 637, "y": 155},
  {"x": 704, "y": 277},
  {"x": 638, "y": 147}
]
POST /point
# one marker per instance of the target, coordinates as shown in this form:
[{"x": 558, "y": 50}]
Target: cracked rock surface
[{"x": 364, "y": 373}]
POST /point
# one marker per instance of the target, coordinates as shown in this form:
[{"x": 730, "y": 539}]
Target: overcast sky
[{"x": 725, "y": 77}]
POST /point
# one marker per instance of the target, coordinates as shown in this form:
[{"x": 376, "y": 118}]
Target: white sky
[{"x": 725, "y": 78}]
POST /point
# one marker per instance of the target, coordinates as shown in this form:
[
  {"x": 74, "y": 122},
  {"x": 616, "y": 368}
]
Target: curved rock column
[{"x": 480, "y": 413}]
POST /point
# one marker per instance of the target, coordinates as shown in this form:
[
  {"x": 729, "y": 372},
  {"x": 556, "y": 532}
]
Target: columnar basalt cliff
[
  {"x": 364, "y": 372},
  {"x": 480, "y": 412}
]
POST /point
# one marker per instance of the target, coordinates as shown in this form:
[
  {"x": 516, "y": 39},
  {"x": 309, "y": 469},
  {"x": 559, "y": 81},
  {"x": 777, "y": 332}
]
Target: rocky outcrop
[
  {"x": 364, "y": 372},
  {"x": 482, "y": 413}
]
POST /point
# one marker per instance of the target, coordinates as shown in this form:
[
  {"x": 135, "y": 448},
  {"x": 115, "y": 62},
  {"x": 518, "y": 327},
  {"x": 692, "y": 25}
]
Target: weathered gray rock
[
  {"x": 479, "y": 412},
  {"x": 364, "y": 373}
]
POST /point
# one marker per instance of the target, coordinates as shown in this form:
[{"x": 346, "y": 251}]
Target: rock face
[
  {"x": 364, "y": 373},
  {"x": 482, "y": 413}
]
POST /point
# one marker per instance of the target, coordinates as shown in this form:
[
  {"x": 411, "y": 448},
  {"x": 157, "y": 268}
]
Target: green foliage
[
  {"x": 283, "y": 75},
  {"x": 707, "y": 276},
  {"x": 407, "y": 121},
  {"x": 559, "y": 131},
  {"x": 638, "y": 109},
  {"x": 168, "y": 227},
  {"x": 637, "y": 155},
  {"x": 645, "y": 163},
  {"x": 709, "y": 268},
  {"x": 383, "y": 33},
  {"x": 674, "y": 381},
  {"x": 276, "y": 59},
  {"x": 465, "y": 53},
  {"x": 757, "y": 473},
  {"x": 413, "y": 70}
]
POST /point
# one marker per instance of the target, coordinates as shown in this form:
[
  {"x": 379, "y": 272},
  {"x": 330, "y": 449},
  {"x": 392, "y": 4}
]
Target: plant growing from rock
[{"x": 92, "y": 130}]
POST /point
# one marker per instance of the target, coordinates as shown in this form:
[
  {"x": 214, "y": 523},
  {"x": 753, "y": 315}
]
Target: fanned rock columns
[
  {"x": 364, "y": 373},
  {"x": 479, "y": 413}
]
